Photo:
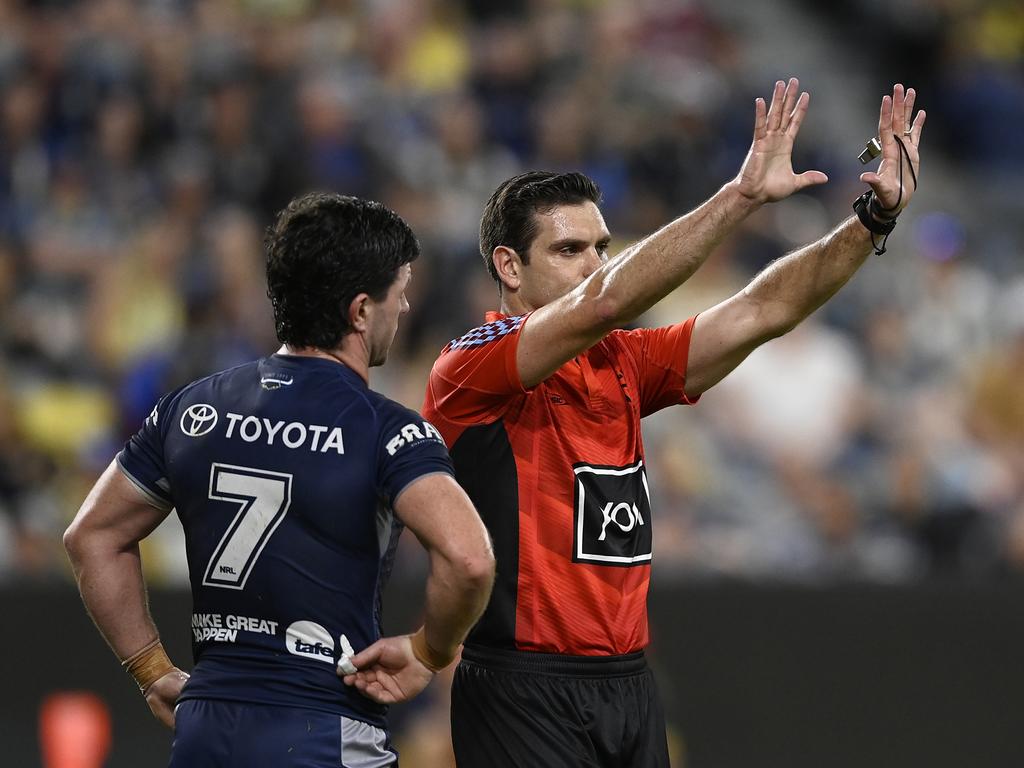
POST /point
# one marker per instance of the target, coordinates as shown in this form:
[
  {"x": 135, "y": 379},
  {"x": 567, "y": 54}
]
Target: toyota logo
[{"x": 198, "y": 419}]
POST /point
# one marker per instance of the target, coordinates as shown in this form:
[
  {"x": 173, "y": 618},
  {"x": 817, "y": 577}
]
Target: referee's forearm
[
  {"x": 793, "y": 287},
  {"x": 649, "y": 270}
]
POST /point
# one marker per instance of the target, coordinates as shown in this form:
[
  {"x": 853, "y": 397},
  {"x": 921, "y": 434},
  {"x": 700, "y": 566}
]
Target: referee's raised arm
[{"x": 607, "y": 293}]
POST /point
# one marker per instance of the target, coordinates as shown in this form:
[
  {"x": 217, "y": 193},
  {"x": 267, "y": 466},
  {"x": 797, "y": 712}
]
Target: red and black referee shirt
[{"x": 557, "y": 473}]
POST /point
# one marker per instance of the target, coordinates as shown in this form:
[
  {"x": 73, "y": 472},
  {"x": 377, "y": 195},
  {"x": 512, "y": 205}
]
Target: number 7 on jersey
[{"x": 263, "y": 499}]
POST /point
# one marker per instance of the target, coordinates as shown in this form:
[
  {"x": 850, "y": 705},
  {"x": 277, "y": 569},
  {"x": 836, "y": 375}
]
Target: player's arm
[
  {"x": 638, "y": 277},
  {"x": 103, "y": 545},
  {"x": 445, "y": 521},
  {"x": 793, "y": 287},
  {"x": 443, "y": 518}
]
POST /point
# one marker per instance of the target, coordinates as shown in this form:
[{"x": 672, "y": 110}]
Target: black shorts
[{"x": 530, "y": 709}]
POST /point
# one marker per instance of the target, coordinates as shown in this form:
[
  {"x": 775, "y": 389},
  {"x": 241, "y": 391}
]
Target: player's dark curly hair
[
  {"x": 324, "y": 250},
  {"x": 509, "y": 215}
]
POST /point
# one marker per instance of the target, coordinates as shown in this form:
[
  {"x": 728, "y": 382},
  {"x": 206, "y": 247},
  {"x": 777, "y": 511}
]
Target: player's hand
[
  {"x": 388, "y": 671},
  {"x": 163, "y": 694},
  {"x": 767, "y": 173},
  {"x": 894, "y": 120}
]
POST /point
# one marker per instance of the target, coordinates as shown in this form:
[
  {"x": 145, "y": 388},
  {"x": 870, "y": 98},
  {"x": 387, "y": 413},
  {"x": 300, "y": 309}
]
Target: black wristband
[
  {"x": 872, "y": 214},
  {"x": 865, "y": 206}
]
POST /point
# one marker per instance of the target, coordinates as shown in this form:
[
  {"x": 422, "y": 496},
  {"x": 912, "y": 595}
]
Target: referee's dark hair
[
  {"x": 509, "y": 215},
  {"x": 323, "y": 251}
]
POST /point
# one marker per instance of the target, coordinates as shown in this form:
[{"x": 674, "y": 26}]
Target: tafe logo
[
  {"x": 309, "y": 639},
  {"x": 611, "y": 515},
  {"x": 198, "y": 419}
]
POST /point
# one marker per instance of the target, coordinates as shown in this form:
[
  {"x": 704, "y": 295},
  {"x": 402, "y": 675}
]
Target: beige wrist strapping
[
  {"x": 426, "y": 655},
  {"x": 148, "y": 664}
]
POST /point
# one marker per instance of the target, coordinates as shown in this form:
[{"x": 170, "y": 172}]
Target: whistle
[{"x": 871, "y": 150}]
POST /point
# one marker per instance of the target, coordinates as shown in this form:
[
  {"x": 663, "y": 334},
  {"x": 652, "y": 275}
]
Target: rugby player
[{"x": 292, "y": 480}]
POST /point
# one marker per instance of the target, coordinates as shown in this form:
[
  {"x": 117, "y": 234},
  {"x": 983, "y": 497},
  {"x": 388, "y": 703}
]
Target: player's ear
[
  {"x": 507, "y": 263},
  {"x": 359, "y": 312}
]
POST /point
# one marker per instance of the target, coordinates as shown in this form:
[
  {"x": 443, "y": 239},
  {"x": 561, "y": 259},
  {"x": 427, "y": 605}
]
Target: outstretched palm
[
  {"x": 767, "y": 173},
  {"x": 892, "y": 187}
]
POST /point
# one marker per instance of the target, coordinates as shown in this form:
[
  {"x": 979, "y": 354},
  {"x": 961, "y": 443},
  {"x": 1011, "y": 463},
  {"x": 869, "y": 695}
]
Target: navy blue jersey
[{"x": 283, "y": 472}]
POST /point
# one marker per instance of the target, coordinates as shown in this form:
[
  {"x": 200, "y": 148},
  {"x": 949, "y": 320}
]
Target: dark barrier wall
[{"x": 753, "y": 677}]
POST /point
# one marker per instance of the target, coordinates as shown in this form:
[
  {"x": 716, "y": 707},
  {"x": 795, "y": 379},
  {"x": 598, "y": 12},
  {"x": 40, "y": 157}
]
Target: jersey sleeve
[
  {"x": 409, "y": 448},
  {"x": 142, "y": 458},
  {"x": 476, "y": 376},
  {"x": 660, "y": 355}
]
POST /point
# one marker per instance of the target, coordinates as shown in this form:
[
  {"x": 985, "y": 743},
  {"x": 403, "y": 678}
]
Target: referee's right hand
[{"x": 767, "y": 174}]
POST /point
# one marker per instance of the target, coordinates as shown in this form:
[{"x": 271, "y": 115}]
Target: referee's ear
[
  {"x": 508, "y": 265},
  {"x": 359, "y": 313}
]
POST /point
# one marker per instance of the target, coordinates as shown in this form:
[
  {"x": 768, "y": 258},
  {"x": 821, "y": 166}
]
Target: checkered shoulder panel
[{"x": 485, "y": 334}]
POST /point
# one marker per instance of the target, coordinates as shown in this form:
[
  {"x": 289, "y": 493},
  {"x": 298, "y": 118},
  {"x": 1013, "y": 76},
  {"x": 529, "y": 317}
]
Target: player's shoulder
[
  {"x": 191, "y": 405},
  {"x": 391, "y": 412},
  {"x": 486, "y": 334},
  {"x": 243, "y": 370},
  {"x": 204, "y": 386},
  {"x": 384, "y": 407},
  {"x": 400, "y": 425}
]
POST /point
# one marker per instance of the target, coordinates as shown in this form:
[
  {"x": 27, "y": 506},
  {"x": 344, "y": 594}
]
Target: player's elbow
[
  {"x": 477, "y": 570},
  {"x": 474, "y": 568},
  {"x": 83, "y": 542},
  {"x": 74, "y": 541}
]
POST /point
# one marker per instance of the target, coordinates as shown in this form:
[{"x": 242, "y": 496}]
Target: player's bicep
[
  {"x": 438, "y": 511},
  {"x": 116, "y": 514},
  {"x": 722, "y": 338}
]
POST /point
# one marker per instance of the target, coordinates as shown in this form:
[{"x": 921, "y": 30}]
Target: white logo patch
[
  {"x": 198, "y": 420},
  {"x": 612, "y": 515},
  {"x": 309, "y": 639},
  {"x": 275, "y": 382},
  {"x": 413, "y": 433}
]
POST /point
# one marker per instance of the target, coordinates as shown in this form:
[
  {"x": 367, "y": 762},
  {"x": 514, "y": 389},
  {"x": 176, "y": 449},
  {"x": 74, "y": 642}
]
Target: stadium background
[{"x": 840, "y": 524}]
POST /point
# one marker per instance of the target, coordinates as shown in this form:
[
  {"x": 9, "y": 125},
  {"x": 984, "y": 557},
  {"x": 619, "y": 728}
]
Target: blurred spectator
[{"x": 144, "y": 146}]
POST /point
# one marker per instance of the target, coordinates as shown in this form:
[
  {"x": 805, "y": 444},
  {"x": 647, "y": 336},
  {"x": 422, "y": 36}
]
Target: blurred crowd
[{"x": 145, "y": 145}]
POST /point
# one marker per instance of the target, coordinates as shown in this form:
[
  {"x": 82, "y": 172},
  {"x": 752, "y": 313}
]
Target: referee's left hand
[
  {"x": 896, "y": 119},
  {"x": 389, "y": 672}
]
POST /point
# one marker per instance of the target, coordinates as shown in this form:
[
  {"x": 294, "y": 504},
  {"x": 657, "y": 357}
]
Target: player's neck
[{"x": 346, "y": 357}]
